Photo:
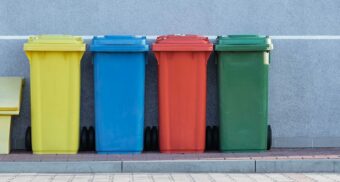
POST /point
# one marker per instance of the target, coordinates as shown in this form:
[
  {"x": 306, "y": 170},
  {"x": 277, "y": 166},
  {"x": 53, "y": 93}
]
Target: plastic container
[
  {"x": 10, "y": 99},
  {"x": 119, "y": 79},
  {"x": 182, "y": 74},
  {"x": 243, "y": 62},
  {"x": 55, "y": 92}
]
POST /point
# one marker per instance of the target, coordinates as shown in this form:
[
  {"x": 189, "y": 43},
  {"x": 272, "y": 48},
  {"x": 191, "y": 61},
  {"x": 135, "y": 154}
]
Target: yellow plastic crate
[{"x": 55, "y": 92}]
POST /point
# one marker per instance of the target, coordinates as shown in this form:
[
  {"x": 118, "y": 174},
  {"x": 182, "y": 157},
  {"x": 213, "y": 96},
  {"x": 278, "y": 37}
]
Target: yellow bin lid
[
  {"x": 55, "y": 43},
  {"x": 10, "y": 95}
]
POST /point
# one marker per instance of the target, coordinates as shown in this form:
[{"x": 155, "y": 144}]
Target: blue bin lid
[{"x": 119, "y": 43}]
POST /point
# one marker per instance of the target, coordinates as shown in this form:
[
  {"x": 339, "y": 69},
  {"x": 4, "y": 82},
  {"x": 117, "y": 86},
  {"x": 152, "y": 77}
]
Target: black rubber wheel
[
  {"x": 91, "y": 142},
  {"x": 28, "y": 139},
  {"x": 269, "y": 138},
  {"x": 208, "y": 141},
  {"x": 147, "y": 139},
  {"x": 154, "y": 138},
  {"x": 83, "y": 139},
  {"x": 215, "y": 138}
]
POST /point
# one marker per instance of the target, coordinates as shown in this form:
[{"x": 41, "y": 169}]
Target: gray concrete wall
[{"x": 304, "y": 92}]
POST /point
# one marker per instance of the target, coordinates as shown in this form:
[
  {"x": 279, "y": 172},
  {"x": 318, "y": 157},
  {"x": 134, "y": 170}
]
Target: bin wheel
[
  {"x": 91, "y": 142},
  {"x": 83, "y": 139},
  {"x": 215, "y": 138},
  {"x": 147, "y": 139},
  {"x": 154, "y": 138},
  {"x": 28, "y": 139},
  {"x": 208, "y": 136},
  {"x": 269, "y": 138}
]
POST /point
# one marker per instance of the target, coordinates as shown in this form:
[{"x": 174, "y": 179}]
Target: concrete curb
[
  {"x": 61, "y": 167},
  {"x": 190, "y": 166},
  {"x": 168, "y": 166},
  {"x": 297, "y": 166}
]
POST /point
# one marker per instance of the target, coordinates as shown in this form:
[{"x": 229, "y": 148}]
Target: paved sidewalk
[{"x": 169, "y": 177}]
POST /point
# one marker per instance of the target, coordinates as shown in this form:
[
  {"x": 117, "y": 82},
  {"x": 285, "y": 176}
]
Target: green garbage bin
[{"x": 243, "y": 62}]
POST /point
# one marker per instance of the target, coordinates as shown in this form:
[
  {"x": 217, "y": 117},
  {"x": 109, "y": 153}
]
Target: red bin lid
[{"x": 182, "y": 43}]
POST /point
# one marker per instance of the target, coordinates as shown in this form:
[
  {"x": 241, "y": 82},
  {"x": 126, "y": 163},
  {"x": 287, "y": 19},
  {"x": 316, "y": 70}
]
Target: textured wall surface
[
  {"x": 304, "y": 91},
  {"x": 153, "y": 17}
]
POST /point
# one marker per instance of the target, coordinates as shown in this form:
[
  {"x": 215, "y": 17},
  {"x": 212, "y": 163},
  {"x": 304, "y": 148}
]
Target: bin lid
[
  {"x": 10, "y": 95},
  {"x": 182, "y": 43},
  {"x": 119, "y": 43},
  {"x": 55, "y": 43},
  {"x": 243, "y": 43}
]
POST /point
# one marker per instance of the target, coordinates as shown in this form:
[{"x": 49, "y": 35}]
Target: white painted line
[
  {"x": 25, "y": 37},
  {"x": 305, "y": 37},
  {"x": 10, "y": 37},
  {"x": 212, "y": 37}
]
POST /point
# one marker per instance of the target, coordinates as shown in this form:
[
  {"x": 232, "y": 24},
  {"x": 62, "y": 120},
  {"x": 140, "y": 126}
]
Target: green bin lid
[
  {"x": 54, "y": 43},
  {"x": 243, "y": 43}
]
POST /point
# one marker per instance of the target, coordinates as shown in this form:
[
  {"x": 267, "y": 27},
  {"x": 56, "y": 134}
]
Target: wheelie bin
[
  {"x": 55, "y": 92},
  {"x": 182, "y": 74},
  {"x": 243, "y": 62},
  {"x": 119, "y": 79}
]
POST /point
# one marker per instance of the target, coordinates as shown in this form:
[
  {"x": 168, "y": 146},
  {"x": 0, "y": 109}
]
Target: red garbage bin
[{"x": 182, "y": 74}]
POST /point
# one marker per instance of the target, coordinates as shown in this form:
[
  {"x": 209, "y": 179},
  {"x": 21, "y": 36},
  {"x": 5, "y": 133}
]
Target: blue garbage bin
[{"x": 119, "y": 84}]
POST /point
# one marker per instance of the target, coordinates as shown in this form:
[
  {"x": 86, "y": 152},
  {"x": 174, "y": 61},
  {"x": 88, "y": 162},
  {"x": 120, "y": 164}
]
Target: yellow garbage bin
[
  {"x": 10, "y": 98},
  {"x": 55, "y": 92}
]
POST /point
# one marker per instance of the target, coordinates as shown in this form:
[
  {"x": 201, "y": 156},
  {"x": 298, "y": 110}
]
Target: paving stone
[
  {"x": 138, "y": 177},
  {"x": 319, "y": 177},
  {"x": 278, "y": 177},
  {"x": 201, "y": 177},
  {"x": 335, "y": 177},
  {"x": 220, "y": 177},
  {"x": 240, "y": 177},
  {"x": 259, "y": 177},
  {"x": 26, "y": 178},
  {"x": 5, "y": 178},
  {"x": 103, "y": 177},
  {"x": 179, "y": 177},
  {"x": 161, "y": 177},
  {"x": 43, "y": 178},
  {"x": 298, "y": 177},
  {"x": 123, "y": 177},
  {"x": 63, "y": 177},
  {"x": 82, "y": 178}
]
